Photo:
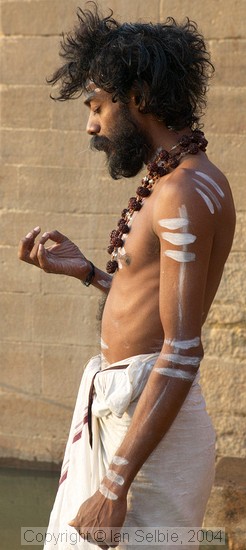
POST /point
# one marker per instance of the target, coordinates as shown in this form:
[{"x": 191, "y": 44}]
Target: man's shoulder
[
  {"x": 185, "y": 179},
  {"x": 195, "y": 181},
  {"x": 202, "y": 189}
]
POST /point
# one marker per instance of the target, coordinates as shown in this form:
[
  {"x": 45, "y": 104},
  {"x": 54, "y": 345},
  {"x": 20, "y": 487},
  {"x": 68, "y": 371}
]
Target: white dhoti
[{"x": 172, "y": 487}]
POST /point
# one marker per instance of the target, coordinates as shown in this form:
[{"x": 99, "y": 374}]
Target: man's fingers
[
  {"x": 26, "y": 245},
  {"x": 45, "y": 237},
  {"x": 89, "y": 537},
  {"x": 33, "y": 255},
  {"x": 23, "y": 251},
  {"x": 31, "y": 236},
  {"x": 34, "y": 252},
  {"x": 55, "y": 236},
  {"x": 71, "y": 523},
  {"x": 42, "y": 258}
]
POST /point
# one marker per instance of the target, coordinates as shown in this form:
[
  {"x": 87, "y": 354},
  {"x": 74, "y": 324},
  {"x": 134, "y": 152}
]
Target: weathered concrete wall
[{"x": 49, "y": 178}]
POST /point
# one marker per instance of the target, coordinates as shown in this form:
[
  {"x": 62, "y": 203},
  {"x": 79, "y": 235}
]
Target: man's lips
[{"x": 100, "y": 143}]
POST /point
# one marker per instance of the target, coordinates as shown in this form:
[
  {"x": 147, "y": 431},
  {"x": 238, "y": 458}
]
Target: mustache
[{"x": 100, "y": 143}]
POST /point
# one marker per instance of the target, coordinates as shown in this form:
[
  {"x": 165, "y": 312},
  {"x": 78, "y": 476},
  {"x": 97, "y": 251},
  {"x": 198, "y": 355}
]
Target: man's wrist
[
  {"x": 118, "y": 479},
  {"x": 90, "y": 275},
  {"x": 113, "y": 489}
]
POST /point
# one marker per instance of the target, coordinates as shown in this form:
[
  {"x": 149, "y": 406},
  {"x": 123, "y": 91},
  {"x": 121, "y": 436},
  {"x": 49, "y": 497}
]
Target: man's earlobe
[
  {"x": 138, "y": 96},
  {"x": 140, "y": 93},
  {"x": 139, "y": 102},
  {"x": 137, "y": 99}
]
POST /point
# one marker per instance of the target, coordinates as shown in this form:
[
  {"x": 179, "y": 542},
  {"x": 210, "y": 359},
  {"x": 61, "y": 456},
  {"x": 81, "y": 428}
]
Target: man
[{"x": 141, "y": 446}]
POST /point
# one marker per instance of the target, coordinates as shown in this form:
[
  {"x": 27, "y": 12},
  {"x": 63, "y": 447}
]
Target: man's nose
[{"x": 92, "y": 127}]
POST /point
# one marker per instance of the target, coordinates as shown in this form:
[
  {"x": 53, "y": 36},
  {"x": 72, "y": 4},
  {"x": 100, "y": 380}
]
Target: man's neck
[
  {"x": 160, "y": 137},
  {"x": 165, "y": 138}
]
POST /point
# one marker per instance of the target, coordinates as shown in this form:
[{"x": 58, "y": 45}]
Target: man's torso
[{"x": 131, "y": 322}]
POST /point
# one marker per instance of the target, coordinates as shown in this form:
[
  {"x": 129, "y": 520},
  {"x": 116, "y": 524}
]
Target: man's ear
[{"x": 138, "y": 95}]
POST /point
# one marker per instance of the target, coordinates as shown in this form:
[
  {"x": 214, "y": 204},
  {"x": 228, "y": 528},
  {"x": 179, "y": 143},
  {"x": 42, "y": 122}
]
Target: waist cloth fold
[{"x": 172, "y": 487}]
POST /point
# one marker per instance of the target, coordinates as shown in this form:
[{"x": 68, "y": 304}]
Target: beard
[{"x": 126, "y": 148}]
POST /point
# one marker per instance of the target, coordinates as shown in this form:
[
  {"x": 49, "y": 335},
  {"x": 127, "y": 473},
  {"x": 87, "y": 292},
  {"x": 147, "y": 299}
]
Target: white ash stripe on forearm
[
  {"x": 183, "y": 344},
  {"x": 175, "y": 373},
  {"x": 119, "y": 460},
  {"x": 107, "y": 493},
  {"x": 116, "y": 478},
  {"x": 177, "y": 359}
]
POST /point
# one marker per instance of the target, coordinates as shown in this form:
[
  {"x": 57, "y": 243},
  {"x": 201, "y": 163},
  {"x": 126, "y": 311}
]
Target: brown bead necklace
[{"x": 163, "y": 163}]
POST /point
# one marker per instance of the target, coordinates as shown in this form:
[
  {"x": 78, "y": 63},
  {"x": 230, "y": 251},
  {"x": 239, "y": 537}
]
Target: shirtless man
[{"x": 170, "y": 262}]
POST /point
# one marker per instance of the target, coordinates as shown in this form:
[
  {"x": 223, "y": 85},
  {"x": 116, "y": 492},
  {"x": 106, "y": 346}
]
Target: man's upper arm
[{"x": 186, "y": 232}]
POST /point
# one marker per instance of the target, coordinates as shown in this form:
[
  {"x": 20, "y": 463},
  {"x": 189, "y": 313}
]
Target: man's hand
[
  {"x": 63, "y": 257},
  {"x": 97, "y": 514}
]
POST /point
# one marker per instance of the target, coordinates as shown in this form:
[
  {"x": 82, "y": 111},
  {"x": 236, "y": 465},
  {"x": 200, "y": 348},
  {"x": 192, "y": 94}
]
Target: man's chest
[{"x": 141, "y": 245}]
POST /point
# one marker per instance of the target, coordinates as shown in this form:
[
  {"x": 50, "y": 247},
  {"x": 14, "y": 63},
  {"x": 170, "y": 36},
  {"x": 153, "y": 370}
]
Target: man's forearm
[
  {"x": 157, "y": 408},
  {"x": 100, "y": 279}
]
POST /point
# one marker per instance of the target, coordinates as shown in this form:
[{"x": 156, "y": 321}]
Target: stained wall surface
[{"x": 50, "y": 178}]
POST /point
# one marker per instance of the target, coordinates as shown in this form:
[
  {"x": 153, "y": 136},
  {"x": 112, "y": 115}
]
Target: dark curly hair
[{"x": 167, "y": 65}]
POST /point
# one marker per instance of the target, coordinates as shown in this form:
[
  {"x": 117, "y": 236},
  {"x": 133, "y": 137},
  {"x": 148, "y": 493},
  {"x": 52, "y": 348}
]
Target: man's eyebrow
[{"x": 91, "y": 95}]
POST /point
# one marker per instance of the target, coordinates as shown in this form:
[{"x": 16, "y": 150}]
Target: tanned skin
[{"x": 145, "y": 297}]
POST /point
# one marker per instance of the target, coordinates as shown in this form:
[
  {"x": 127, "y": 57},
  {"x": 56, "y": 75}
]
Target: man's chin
[
  {"x": 101, "y": 149},
  {"x": 101, "y": 145},
  {"x": 117, "y": 173},
  {"x": 119, "y": 168}
]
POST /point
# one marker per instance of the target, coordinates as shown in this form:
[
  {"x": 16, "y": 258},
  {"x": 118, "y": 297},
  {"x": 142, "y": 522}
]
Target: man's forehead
[
  {"x": 92, "y": 91},
  {"x": 92, "y": 87}
]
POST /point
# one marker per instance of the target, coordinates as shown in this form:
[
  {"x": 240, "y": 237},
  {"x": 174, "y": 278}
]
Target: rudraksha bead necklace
[{"x": 163, "y": 163}]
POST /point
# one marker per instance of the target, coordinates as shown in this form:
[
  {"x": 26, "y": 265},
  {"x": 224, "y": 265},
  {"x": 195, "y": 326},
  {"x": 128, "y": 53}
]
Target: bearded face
[{"x": 125, "y": 146}]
